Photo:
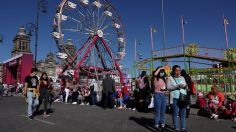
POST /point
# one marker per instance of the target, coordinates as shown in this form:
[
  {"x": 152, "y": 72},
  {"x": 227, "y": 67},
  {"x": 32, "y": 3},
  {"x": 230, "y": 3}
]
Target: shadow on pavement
[
  {"x": 40, "y": 112},
  {"x": 148, "y": 124},
  {"x": 234, "y": 127}
]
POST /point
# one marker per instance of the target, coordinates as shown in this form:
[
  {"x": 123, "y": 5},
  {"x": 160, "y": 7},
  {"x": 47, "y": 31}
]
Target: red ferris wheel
[{"x": 95, "y": 27}]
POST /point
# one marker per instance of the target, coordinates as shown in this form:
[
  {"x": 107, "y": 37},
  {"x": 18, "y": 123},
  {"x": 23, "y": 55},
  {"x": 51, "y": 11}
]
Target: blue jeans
[
  {"x": 32, "y": 102},
  {"x": 93, "y": 98},
  {"x": 160, "y": 108},
  {"x": 181, "y": 110},
  {"x": 121, "y": 101},
  {"x": 1, "y": 93}
]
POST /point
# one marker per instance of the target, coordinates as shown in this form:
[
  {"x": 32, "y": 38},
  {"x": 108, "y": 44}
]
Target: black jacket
[{"x": 108, "y": 85}]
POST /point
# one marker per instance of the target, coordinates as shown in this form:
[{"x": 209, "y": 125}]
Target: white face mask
[{"x": 162, "y": 74}]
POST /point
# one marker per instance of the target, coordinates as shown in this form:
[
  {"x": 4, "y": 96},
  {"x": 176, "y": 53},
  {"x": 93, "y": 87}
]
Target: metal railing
[{"x": 203, "y": 52}]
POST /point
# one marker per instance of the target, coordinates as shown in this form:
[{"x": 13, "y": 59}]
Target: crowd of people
[
  {"x": 9, "y": 90},
  {"x": 177, "y": 86}
]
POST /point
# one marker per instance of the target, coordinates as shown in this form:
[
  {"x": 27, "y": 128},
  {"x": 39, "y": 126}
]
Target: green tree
[{"x": 230, "y": 54}]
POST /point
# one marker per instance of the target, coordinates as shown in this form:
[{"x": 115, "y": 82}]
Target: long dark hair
[
  {"x": 41, "y": 78},
  {"x": 186, "y": 76},
  {"x": 143, "y": 74},
  {"x": 173, "y": 70}
]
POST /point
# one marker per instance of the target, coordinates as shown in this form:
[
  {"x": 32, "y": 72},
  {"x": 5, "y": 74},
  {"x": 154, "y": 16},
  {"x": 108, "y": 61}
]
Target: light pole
[
  {"x": 152, "y": 30},
  {"x": 135, "y": 56},
  {"x": 163, "y": 26},
  {"x": 183, "y": 22},
  {"x": 226, "y": 33},
  {"x": 41, "y": 7}
]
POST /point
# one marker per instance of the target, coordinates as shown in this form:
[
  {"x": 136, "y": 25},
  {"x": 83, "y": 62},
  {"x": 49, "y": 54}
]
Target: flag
[
  {"x": 154, "y": 29},
  {"x": 183, "y": 20},
  {"x": 140, "y": 42},
  {"x": 1, "y": 40},
  {"x": 226, "y": 22}
]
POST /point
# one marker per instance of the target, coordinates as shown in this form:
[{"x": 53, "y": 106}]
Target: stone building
[
  {"x": 48, "y": 65},
  {"x": 21, "y": 43}
]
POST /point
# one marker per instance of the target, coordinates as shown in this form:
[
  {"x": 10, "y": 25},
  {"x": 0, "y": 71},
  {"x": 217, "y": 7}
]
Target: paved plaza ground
[{"x": 76, "y": 118}]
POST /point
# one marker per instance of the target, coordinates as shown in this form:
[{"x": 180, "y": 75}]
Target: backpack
[{"x": 140, "y": 83}]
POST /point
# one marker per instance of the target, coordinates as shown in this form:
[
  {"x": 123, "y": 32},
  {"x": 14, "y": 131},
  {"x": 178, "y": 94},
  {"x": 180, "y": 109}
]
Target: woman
[
  {"x": 215, "y": 101},
  {"x": 188, "y": 81},
  {"x": 177, "y": 85},
  {"x": 67, "y": 90},
  {"x": 230, "y": 111},
  {"x": 144, "y": 91},
  {"x": 44, "y": 92},
  {"x": 159, "y": 87}
]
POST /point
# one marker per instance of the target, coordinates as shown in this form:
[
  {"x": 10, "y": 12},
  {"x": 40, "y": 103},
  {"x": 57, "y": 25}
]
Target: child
[
  {"x": 201, "y": 101},
  {"x": 230, "y": 111}
]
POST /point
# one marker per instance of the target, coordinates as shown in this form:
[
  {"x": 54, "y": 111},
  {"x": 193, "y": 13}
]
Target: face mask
[{"x": 162, "y": 74}]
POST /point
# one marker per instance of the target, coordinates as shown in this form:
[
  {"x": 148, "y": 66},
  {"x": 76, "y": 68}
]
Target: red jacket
[
  {"x": 231, "y": 108},
  {"x": 220, "y": 96}
]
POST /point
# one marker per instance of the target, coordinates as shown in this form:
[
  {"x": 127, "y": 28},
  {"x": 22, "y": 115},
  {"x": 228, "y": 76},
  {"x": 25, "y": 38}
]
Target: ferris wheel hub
[{"x": 100, "y": 33}]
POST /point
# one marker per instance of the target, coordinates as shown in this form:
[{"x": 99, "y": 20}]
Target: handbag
[
  {"x": 183, "y": 99},
  {"x": 151, "y": 105}
]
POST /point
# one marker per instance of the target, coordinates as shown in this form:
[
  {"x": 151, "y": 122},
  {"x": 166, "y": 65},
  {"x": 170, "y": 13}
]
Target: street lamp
[
  {"x": 136, "y": 58},
  {"x": 41, "y": 7}
]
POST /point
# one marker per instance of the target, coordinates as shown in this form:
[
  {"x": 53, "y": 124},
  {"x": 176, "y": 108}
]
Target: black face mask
[{"x": 45, "y": 79}]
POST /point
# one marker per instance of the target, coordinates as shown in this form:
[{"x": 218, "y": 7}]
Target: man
[
  {"x": 31, "y": 91},
  {"x": 108, "y": 89}
]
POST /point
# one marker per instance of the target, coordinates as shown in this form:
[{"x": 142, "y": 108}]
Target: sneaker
[
  {"x": 31, "y": 117},
  {"x": 134, "y": 109},
  {"x": 74, "y": 103},
  {"x": 120, "y": 107},
  {"x": 216, "y": 117},
  {"x": 156, "y": 126},
  {"x": 162, "y": 125},
  {"x": 234, "y": 119},
  {"x": 45, "y": 115},
  {"x": 212, "y": 116},
  {"x": 82, "y": 104}
]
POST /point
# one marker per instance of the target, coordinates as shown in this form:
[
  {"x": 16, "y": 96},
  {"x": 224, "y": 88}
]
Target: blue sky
[{"x": 205, "y": 24}]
